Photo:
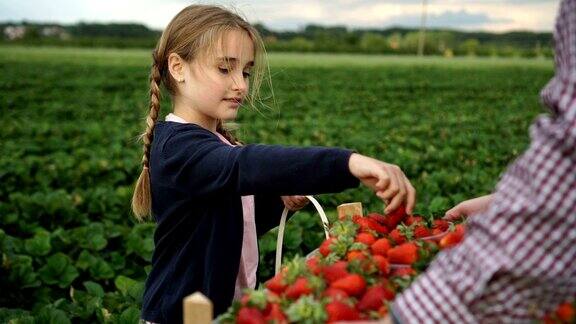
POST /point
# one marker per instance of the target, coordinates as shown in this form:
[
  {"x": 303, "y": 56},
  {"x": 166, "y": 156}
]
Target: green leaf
[
  {"x": 21, "y": 272},
  {"x": 51, "y": 315},
  {"x": 39, "y": 245},
  {"x": 267, "y": 242},
  {"x": 94, "y": 289},
  {"x": 130, "y": 316},
  {"x": 124, "y": 283},
  {"x": 136, "y": 292},
  {"x": 8, "y": 315},
  {"x": 58, "y": 270},
  {"x": 117, "y": 261},
  {"x": 90, "y": 237},
  {"x": 101, "y": 270},
  {"x": 140, "y": 241},
  {"x": 439, "y": 205},
  {"x": 85, "y": 260},
  {"x": 293, "y": 237}
]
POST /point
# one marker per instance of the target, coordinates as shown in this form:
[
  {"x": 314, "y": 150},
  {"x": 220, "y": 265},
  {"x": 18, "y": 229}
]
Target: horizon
[{"x": 300, "y": 28}]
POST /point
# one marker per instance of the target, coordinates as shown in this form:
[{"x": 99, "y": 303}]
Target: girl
[{"x": 210, "y": 196}]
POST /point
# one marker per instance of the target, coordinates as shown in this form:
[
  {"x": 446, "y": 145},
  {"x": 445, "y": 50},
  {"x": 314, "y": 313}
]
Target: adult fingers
[{"x": 454, "y": 213}]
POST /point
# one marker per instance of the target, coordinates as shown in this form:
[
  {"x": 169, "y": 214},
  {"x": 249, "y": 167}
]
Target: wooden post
[
  {"x": 349, "y": 209},
  {"x": 197, "y": 309}
]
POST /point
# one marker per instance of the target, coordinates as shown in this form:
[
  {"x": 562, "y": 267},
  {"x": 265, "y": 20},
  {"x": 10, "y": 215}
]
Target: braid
[
  {"x": 155, "y": 79},
  {"x": 227, "y": 134},
  {"x": 142, "y": 199}
]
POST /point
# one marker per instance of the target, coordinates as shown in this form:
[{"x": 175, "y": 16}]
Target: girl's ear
[{"x": 176, "y": 67}]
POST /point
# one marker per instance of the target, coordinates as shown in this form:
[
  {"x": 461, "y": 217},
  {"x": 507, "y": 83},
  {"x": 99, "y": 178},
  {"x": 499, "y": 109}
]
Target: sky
[{"x": 470, "y": 15}]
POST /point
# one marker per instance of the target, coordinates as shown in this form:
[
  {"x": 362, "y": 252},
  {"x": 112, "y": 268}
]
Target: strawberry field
[{"x": 71, "y": 252}]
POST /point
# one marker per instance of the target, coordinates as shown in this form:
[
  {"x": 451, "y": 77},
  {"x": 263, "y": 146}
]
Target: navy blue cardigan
[{"x": 197, "y": 182}]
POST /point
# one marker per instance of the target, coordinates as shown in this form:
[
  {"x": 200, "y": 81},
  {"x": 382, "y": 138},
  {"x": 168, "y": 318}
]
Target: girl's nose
[{"x": 239, "y": 83}]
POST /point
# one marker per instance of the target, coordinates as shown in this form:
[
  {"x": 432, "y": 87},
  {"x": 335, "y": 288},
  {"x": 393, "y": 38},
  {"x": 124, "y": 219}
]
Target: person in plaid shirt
[{"x": 518, "y": 260}]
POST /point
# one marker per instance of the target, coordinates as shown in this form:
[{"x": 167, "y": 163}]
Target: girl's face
[{"x": 216, "y": 85}]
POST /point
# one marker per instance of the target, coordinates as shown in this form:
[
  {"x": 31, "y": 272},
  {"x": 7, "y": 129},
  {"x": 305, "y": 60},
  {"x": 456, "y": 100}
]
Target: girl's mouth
[{"x": 235, "y": 102}]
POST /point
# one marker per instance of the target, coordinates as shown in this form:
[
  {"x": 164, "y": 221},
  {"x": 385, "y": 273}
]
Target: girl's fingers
[
  {"x": 294, "y": 203},
  {"x": 399, "y": 197},
  {"x": 411, "y": 196},
  {"x": 392, "y": 189},
  {"x": 383, "y": 179},
  {"x": 396, "y": 202},
  {"x": 396, "y": 185}
]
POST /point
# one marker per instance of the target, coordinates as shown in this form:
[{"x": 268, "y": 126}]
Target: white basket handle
[{"x": 325, "y": 225}]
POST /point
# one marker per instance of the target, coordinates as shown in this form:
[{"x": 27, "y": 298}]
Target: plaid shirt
[{"x": 518, "y": 259}]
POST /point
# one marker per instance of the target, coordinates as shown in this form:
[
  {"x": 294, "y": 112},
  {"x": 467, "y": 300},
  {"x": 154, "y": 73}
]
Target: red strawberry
[
  {"x": 437, "y": 231},
  {"x": 381, "y": 219},
  {"x": 276, "y": 284},
  {"x": 421, "y": 231},
  {"x": 380, "y": 247},
  {"x": 442, "y": 224},
  {"x": 406, "y": 253},
  {"x": 353, "y": 284},
  {"x": 395, "y": 217},
  {"x": 453, "y": 238},
  {"x": 355, "y": 255},
  {"x": 565, "y": 312},
  {"x": 383, "y": 311},
  {"x": 374, "y": 298},
  {"x": 313, "y": 265},
  {"x": 335, "y": 293},
  {"x": 365, "y": 238},
  {"x": 335, "y": 271},
  {"x": 276, "y": 315},
  {"x": 397, "y": 237},
  {"x": 404, "y": 271},
  {"x": 244, "y": 300},
  {"x": 413, "y": 219},
  {"x": 367, "y": 224},
  {"x": 299, "y": 288},
  {"x": 382, "y": 263},
  {"x": 339, "y": 311},
  {"x": 250, "y": 315},
  {"x": 325, "y": 246}
]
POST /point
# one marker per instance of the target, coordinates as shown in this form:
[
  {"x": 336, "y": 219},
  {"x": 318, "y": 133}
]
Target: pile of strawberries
[{"x": 354, "y": 274}]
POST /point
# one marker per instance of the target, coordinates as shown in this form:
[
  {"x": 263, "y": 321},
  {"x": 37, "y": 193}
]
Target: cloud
[{"x": 490, "y": 15}]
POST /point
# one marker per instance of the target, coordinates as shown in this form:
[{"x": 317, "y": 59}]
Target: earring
[{"x": 180, "y": 80}]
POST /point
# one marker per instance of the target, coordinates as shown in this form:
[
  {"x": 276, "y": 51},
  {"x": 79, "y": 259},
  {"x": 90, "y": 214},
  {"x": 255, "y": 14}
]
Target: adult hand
[
  {"x": 468, "y": 207},
  {"x": 387, "y": 180}
]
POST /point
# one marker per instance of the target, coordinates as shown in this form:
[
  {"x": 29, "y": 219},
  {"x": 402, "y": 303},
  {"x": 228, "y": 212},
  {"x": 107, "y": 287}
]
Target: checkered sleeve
[{"x": 518, "y": 259}]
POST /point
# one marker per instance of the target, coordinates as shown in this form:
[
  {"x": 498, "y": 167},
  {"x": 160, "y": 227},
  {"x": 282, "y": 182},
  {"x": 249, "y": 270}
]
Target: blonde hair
[{"x": 193, "y": 31}]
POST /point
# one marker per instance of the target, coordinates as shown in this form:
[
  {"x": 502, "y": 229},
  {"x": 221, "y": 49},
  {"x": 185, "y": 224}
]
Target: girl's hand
[
  {"x": 387, "y": 180},
  {"x": 294, "y": 203},
  {"x": 468, "y": 207}
]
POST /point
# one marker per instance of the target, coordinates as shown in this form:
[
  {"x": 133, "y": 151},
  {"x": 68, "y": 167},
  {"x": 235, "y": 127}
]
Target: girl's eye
[
  {"x": 223, "y": 70},
  {"x": 246, "y": 74}
]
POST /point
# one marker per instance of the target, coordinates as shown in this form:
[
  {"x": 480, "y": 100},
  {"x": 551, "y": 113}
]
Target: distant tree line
[{"x": 312, "y": 38}]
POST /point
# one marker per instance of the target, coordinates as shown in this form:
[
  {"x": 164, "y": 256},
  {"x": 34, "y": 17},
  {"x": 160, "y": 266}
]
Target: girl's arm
[
  {"x": 195, "y": 160},
  {"x": 201, "y": 164}
]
